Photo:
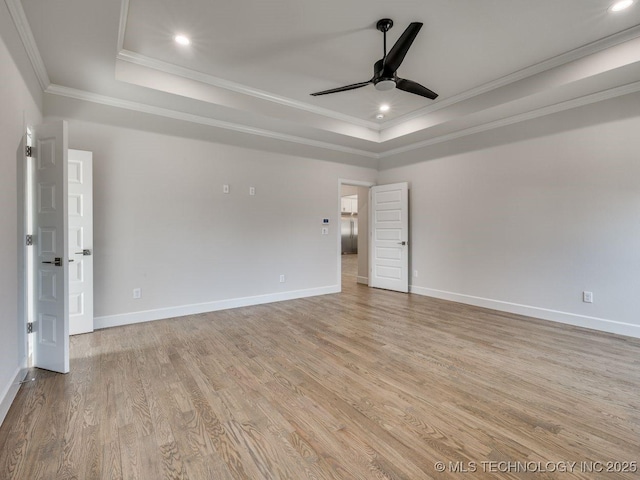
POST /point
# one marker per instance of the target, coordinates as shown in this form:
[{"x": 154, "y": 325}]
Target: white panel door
[
  {"x": 51, "y": 263},
  {"x": 389, "y": 245},
  {"x": 80, "y": 169}
]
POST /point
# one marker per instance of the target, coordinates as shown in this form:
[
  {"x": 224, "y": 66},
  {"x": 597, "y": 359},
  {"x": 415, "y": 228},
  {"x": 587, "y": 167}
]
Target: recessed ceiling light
[
  {"x": 379, "y": 116},
  {"x": 384, "y": 107},
  {"x": 182, "y": 40},
  {"x": 621, "y": 5}
]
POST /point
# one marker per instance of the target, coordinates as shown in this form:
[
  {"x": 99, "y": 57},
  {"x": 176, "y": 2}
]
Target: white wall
[
  {"x": 163, "y": 224},
  {"x": 527, "y": 218},
  {"x": 521, "y": 219},
  {"x": 19, "y": 107}
]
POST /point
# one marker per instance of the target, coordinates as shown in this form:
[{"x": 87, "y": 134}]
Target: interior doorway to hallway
[{"x": 353, "y": 230}]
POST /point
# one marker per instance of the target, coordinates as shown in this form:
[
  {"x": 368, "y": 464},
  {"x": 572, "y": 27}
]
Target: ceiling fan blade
[
  {"x": 395, "y": 57},
  {"x": 342, "y": 89},
  {"x": 413, "y": 87}
]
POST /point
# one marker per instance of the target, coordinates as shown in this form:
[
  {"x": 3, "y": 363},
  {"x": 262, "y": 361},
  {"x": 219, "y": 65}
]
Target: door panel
[
  {"x": 80, "y": 242},
  {"x": 51, "y": 266},
  {"x": 389, "y": 250}
]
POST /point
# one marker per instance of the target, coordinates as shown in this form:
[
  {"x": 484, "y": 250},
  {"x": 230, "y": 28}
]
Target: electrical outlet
[
  {"x": 137, "y": 293},
  {"x": 225, "y": 188},
  {"x": 325, "y": 231},
  {"x": 281, "y": 278},
  {"x": 587, "y": 297},
  {"x": 415, "y": 274},
  {"x": 252, "y": 190}
]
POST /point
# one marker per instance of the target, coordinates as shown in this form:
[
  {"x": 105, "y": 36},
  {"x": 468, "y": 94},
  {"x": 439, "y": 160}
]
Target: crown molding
[
  {"x": 26, "y": 36},
  {"x": 188, "y": 117},
  {"x": 557, "y": 61},
  {"x": 522, "y": 117},
  {"x": 173, "y": 69},
  {"x": 164, "y": 112}
]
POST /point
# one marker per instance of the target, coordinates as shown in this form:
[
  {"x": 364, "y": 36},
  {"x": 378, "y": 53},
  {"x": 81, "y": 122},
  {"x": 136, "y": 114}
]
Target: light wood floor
[{"x": 360, "y": 385}]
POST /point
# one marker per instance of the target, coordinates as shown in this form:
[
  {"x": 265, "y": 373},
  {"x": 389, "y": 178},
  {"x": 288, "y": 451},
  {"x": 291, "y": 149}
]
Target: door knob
[
  {"x": 57, "y": 262},
  {"x": 86, "y": 252},
  {"x": 402, "y": 243}
]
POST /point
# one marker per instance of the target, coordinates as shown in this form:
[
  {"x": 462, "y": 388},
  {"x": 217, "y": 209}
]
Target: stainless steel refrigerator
[{"x": 349, "y": 233}]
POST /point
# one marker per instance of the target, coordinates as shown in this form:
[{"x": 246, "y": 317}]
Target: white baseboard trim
[
  {"x": 182, "y": 310},
  {"x": 594, "y": 323},
  {"x": 363, "y": 280},
  {"x": 10, "y": 392}
]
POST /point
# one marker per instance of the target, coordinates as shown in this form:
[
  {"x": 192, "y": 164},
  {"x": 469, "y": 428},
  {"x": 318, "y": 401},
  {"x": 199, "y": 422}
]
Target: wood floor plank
[{"x": 358, "y": 385}]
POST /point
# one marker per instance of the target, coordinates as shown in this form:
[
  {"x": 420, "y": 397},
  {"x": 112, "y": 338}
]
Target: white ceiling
[{"x": 253, "y": 63}]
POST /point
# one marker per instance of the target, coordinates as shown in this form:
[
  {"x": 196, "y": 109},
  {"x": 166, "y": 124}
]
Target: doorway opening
[{"x": 353, "y": 239}]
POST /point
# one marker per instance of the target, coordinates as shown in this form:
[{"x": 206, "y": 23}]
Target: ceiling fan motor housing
[{"x": 381, "y": 81}]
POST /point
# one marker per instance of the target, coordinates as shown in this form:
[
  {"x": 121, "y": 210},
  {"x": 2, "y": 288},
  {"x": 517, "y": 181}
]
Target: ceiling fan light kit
[
  {"x": 384, "y": 85},
  {"x": 385, "y": 70}
]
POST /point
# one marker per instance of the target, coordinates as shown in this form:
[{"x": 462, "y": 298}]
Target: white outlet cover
[
  {"x": 225, "y": 188},
  {"x": 252, "y": 190}
]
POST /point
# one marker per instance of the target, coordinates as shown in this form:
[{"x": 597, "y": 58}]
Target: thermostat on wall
[{"x": 325, "y": 221}]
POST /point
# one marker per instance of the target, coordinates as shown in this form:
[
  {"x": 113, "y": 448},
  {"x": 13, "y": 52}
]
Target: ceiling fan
[{"x": 385, "y": 70}]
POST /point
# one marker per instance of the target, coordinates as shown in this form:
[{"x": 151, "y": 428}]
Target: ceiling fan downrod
[
  {"x": 384, "y": 83},
  {"x": 384, "y": 26}
]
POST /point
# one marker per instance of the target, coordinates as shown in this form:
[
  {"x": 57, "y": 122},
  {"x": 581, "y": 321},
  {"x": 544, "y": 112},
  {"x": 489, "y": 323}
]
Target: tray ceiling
[{"x": 253, "y": 64}]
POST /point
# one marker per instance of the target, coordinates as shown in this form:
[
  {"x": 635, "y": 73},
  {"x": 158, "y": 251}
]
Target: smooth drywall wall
[
  {"x": 20, "y": 107},
  {"x": 162, "y": 223},
  {"x": 526, "y": 222}
]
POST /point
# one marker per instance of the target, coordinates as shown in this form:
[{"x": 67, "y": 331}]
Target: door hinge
[
  {"x": 29, "y": 240},
  {"x": 28, "y": 151},
  {"x": 29, "y": 327}
]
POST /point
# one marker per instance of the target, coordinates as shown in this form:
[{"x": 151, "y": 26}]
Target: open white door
[
  {"x": 80, "y": 242},
  {"x": 389, "y": 246},
  {"x": 51, "y": 262}
]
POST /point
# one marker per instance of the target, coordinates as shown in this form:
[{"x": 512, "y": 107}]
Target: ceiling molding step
[
  {"x": 188, "y": 117},
  {"x": 124, "y": 15},
  {"x": 522, "y": 117},
  {"x": 26, "y": 36},
  {"x": 172, "y": 69},
  {"x": 557, "y": 61},
  {"x": 164, "y": 112}
]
